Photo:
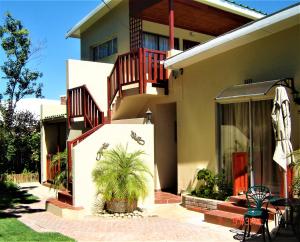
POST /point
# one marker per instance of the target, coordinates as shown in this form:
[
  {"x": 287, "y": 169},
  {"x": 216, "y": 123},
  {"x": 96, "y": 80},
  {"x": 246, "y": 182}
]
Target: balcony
[{"x": 135, "y": 73}]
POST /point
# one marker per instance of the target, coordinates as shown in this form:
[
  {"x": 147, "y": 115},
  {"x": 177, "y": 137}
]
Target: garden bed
[{"x": 189, "y": 201}]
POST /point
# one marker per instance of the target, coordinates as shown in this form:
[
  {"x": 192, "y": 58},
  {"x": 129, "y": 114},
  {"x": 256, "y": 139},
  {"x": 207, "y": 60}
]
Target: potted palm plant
[{"x": 121, "y": 178}]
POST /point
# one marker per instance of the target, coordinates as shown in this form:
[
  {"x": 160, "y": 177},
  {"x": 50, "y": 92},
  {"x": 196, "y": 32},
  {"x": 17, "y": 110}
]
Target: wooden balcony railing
[
  {"x": 141, "y": 66},
  {"x": 82, "y": 104}
]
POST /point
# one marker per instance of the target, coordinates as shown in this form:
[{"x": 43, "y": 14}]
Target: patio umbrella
[{"x": 282, "y": 128}]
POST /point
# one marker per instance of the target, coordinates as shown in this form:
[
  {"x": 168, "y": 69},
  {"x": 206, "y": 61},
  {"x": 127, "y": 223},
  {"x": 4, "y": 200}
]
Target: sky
[{"x": 49, "y": 20}]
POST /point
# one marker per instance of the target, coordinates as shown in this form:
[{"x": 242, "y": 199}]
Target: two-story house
[{"x": 121, "y": 76}]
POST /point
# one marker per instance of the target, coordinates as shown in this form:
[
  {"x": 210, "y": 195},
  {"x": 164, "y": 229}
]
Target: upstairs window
[
  {"x": 106, "y": 49},
  {"x": 158, "y": 42},
  {"x": 187, "y": 44}
]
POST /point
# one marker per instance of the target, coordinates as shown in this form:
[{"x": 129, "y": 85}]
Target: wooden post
[
  {"x": 141, "y": 70},
  {"x": 69, "y": 108},
  {"x": 108, "y": 99},
  {"x": 171, "y": 24}
]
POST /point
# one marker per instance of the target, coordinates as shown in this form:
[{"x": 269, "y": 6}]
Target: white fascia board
[
  {"x": 230, "y": 40},
  {"x": 234, "y": 8},
  {"x": 73, "y": 30}
]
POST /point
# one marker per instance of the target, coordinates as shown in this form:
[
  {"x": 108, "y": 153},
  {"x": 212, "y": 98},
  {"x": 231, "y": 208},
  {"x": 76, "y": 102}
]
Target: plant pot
[{"x": 121, "y": 206}]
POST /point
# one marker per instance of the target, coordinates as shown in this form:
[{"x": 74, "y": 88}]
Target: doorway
[{"x": 166, "y": 148}]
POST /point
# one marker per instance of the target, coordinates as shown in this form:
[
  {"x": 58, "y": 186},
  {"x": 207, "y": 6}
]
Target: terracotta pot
[{"x": 121, "y": 206}]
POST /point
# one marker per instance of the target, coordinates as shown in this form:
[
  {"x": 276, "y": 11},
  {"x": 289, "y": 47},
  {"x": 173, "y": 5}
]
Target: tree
[
  {"x": 21, "y": 81},
  {"x": 20, "y": 148}
]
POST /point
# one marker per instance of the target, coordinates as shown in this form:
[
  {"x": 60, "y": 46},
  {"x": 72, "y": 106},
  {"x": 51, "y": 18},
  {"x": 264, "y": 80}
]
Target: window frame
[
  {"x": 157, "y": 36},
  {"x": 109, "y": 46}
]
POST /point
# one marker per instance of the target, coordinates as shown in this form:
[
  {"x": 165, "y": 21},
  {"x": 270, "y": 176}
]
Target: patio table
[{"x": 287, "y": 218}]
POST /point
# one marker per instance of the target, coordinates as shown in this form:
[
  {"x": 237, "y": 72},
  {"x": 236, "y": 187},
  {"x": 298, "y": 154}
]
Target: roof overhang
[
  {"x": 253, "y": 31},
  {"x": 234, "y": 13},
  {"x": 197, "y": 15}
]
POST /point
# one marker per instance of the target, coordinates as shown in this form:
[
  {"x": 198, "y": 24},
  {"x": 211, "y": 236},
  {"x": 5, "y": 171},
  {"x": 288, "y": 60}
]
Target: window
[
  {"x": 106, "y": 49},
  {"x": 158, "y": 42},
  {"x": 187, "y": 44}
]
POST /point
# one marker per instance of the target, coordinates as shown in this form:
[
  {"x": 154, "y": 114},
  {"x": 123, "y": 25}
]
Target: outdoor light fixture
[{"x": 148, "y": 116}]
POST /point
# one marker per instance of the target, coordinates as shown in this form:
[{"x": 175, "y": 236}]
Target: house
[
  {"x": 239, "y": 72},
  {"x": 122, "y": 74}
]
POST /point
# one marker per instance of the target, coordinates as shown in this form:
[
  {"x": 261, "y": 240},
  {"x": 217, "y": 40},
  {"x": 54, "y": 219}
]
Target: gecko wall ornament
[
  {"x": 138, "y": 139},
  {"x": 103, "y": 147}
]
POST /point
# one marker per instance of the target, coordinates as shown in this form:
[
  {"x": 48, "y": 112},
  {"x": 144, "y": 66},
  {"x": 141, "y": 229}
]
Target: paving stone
[{"x": 170, "y": 222}]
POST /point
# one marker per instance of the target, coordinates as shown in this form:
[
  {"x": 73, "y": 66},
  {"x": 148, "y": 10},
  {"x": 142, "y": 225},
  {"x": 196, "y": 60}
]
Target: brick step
[
  {"x": 239, "y": 200},
  {"x": 197, "y": 209},
  {"x": 165, "y": 197},
  {"x": 65, "y": 197},
  {"x": 233, "y": 208},
  {"x": 231, "y": 220},
  {"x": 61, "y": 204}
]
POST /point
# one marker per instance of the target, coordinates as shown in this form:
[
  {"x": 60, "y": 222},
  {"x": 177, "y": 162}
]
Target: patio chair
[{"x": 256, "y": 197}]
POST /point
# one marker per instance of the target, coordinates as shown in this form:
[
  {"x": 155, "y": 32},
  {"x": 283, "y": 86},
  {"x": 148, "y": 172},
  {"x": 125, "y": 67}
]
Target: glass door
[{"x": 247, "y": 145}]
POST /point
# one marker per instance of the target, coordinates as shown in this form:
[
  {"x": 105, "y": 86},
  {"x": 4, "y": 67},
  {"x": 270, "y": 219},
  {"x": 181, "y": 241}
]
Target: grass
[{"x": 13, "y": 230}]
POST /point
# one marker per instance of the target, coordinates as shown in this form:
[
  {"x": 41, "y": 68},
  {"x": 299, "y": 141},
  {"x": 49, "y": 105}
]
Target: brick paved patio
[{"x": 173, "y": 223}]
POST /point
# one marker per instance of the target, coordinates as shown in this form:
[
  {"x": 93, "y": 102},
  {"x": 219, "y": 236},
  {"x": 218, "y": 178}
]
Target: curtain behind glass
[
  {"x": 266, "y": 171},
  {"x": 163, "y": 43},
  {"x": 234, "y": 133},
  {"x": 150, "y": 41}
]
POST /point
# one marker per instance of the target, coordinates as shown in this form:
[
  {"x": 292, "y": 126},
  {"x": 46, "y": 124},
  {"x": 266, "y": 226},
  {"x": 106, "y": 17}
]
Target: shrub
[
  {"x": 60, "y": 180},
  {"x": 212, "y": 186}
]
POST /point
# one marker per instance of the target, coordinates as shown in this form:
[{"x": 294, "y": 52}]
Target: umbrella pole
[{"x": 285, "y": 184}]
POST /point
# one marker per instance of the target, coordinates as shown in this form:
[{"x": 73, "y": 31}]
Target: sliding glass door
[{"x": 247, "y": 145}]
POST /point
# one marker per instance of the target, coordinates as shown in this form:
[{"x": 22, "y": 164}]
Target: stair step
[
  {"x": 231, "y": 220},
  {"x": 239, "y": 200},
  {"x": 65, "y": 197},
  {"x": 233, "y": 208}
]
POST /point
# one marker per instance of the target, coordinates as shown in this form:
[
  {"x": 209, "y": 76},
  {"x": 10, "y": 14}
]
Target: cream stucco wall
[
  {"x": 270, "y": 58},
  {"x": 93, "y": 75},
  {"x": 114, "y": 24},
  {"x": 46, "y": 111},
  {"x": 52, "y": 110},
  {"x": 194, "y": 92},
  {"x": 84, "y": 159}
]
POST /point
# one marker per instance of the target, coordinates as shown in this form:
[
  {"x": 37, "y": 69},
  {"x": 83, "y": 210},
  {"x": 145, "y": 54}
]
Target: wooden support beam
[{"x": 171, "y": 24}]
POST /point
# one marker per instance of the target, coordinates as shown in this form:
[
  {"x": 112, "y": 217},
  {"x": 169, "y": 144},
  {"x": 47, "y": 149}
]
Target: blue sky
[{"x": 48, "y": 22}]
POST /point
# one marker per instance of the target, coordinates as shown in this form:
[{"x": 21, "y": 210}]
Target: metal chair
[{"x": 256, "y": 197}]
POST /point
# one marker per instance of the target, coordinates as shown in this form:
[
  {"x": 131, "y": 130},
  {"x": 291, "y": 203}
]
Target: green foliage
[
  {"x": 212, "y": 186},
  {"x": 121, "y": 174},
  {"x": 296, "y": 181},
  {"x": 13, "y": 230},
  {"x": 60, "y": 180},
  {"x": 20, "y": 145},
  {"x": 19, "y": 132},
  {"x": 21, "y": 81}
]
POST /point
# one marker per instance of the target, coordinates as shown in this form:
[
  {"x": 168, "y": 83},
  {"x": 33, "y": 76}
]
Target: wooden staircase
[
  {"x": 80, "y": 104},
  {"x": 231, "y": 214}
]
